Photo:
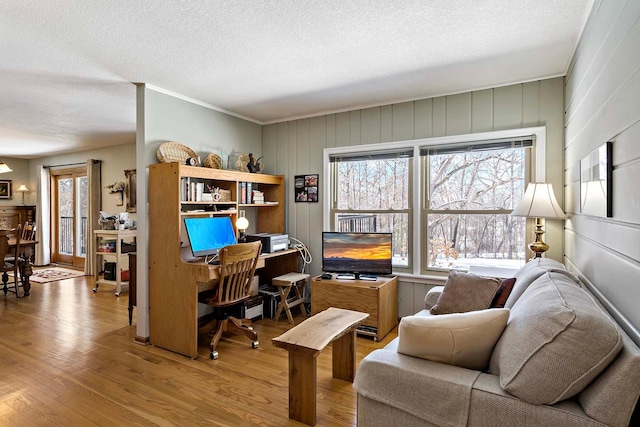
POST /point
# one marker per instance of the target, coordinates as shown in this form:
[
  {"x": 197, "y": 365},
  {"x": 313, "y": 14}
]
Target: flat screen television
[
  {"x": 208, "y": 235},
  {"x": 362, "y": 255}
]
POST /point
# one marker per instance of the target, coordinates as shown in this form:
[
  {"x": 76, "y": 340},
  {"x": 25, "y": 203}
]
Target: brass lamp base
[{"x": 538, "y": 247}]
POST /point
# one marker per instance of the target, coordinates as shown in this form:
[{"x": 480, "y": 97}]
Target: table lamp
[
  {"x": 22, "y": 189},
  {"x": 539, "y": 201},
  {"x": 242, "y": 224}
]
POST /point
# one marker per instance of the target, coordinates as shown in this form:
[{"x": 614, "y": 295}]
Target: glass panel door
[{"x": 69, "y": 217}]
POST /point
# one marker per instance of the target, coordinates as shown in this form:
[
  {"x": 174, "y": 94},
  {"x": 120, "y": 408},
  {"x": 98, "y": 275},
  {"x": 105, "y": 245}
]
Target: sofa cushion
[
  {"x": 465, "y": 292},
  {"x": 528, "y": 274},
  {"x": 461, "y": 339},
  {"x": 556, "y": 342},
  {"x": 503, "y": 292}
]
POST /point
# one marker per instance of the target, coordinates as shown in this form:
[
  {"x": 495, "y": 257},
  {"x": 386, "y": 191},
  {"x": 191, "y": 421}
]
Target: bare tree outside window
[
  {"x": 470, "y": 197},
  {"x": 468, "y": 193},
  {"x": 372, "y": 195}
]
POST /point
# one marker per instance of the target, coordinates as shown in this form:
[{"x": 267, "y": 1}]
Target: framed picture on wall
[
  {"x": 306, "y": 188},
  {"x": 5, "y": 189},
  {"x": 132, "y": 183},
  {"x": 596, "y": 170}
]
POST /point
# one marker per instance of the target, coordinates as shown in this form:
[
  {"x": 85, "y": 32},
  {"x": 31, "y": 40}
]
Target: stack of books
[{"x": 257, "y": 197}]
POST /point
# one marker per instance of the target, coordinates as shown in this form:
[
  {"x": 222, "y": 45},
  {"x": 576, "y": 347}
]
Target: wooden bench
[{"x": 304, "y": 342}]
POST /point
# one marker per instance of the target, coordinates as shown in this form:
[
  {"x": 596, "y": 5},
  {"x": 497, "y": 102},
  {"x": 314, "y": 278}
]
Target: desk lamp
[
  {"x": 539, "y": 201},
  {"x": 22, "y": 189},
  {"x": 242, "y": 224}
]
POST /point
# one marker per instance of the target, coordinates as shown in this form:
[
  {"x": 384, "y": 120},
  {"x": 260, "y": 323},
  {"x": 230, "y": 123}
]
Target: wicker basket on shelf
[
  {"x": 174, "y": 152},
  {"x": 213, "y": 161}
]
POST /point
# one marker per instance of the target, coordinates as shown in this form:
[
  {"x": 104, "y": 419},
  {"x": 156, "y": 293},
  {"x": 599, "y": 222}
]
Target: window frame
[{"x": 416, "y": 199}]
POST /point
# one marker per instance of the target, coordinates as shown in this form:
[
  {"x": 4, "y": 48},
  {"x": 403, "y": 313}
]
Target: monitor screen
[
  {"x": 208, "y": 235},
  {"x": 356, "y": 253}
]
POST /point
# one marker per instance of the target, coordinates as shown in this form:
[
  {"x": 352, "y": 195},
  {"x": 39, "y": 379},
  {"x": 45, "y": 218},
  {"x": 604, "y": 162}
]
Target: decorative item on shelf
[
  {"x": 241, "y": 163},
  {"x": 4, "y": 167},
  {"x": 254, "y": 166},
  {"x": 242, "y": 223},
  {"x": 539, "y": 201},
  {"x": 213, "y": 161},
  {"x": 22, "y": 189},
  {"x": 116, "y": 190},
  {"x": 222, "y": 194},
  {"x": 175, "y": 152}
]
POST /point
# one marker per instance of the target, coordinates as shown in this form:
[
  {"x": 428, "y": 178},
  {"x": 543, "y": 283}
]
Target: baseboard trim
[{"x": 141, "y": 340}]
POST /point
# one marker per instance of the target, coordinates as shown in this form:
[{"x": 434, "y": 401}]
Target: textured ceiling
[{"x": 66, "y": 66}]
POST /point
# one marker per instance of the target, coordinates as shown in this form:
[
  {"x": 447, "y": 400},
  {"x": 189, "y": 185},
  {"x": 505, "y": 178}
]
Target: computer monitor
[{"x": 208, "y": 235}]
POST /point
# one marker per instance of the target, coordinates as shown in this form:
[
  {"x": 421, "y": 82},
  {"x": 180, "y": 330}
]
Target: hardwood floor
[{"x": 68, "y": 358}]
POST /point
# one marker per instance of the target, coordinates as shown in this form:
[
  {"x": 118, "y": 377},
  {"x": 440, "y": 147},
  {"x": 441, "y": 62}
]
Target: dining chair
[
  {"x": 10, "y": 259},
  {"x": 28, "y": 231},
  {"x": 237, "y": 267}
]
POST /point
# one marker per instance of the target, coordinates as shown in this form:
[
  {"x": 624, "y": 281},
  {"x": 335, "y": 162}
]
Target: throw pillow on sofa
[
  {"x": 466, "y": 292},
  {"x": 503, "y": 292},
  {"x": 461, "y": 339},
  {"x": 557, "y": 341}
]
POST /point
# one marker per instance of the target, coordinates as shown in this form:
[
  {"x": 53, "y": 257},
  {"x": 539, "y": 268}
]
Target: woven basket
[
  {"x": 174, "y": 152},
  {"x": 213, "y": 161}
]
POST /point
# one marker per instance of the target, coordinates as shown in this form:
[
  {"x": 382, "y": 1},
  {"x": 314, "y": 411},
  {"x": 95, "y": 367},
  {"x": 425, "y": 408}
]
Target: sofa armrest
[
  {"x": 432, "y": 391},
  {"x": 432, "y": 296}
]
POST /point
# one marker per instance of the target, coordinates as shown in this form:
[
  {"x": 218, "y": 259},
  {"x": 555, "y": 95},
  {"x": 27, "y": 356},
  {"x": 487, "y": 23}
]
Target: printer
[{"x": 270, "y": 242}]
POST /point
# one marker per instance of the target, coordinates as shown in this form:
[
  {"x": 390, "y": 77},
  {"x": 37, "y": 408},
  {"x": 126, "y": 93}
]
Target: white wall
[
  {"x": 602, "y": 103},
  {"x": 295, "y": 147}
]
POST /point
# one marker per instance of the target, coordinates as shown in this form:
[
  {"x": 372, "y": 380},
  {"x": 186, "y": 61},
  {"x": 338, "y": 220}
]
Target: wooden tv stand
[{"x": 379, "y": 299}]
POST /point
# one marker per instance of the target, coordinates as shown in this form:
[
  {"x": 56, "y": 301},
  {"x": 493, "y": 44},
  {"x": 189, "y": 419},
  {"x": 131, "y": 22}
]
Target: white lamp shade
[
  {"x": 22, "y": 189},
  {"x": 4, "y": 167},
  {"x": 242, "y": 223},
  {"x": 539, "y": 201}
]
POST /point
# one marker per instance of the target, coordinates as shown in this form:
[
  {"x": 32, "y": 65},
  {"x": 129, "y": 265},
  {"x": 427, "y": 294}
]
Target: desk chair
[
  {"x": 10, "y": 259},
  {"x": 237, "y": 266}
]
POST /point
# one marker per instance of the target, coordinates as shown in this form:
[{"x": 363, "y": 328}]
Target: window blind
[
  {"x": 376, "y": 155},
  {"x": 486, "y": 145}
]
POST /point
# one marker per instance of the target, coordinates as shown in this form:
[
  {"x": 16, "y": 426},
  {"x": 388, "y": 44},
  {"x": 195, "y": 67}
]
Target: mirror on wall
[{"x": 132, "y": 183}]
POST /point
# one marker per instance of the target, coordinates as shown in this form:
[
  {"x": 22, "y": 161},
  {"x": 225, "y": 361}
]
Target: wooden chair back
[
  {"x": 28, "y": 232},
  {"x": 237, "y": 267},
  {"x": 4, "y": 249},
  {"x": 10, "y": 254}
]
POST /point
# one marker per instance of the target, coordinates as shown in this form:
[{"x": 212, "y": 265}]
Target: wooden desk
[
  {"x": 173, "y": 296},
  {"x": 26, "y": 262},
  {"x": 305, "y": 342}
]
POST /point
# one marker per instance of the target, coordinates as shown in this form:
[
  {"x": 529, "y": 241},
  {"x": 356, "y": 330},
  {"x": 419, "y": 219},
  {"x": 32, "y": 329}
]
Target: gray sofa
[{"x": 541, "y": 373}]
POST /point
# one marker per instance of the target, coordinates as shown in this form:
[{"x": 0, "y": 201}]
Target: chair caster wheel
[
  {"x": 213, "y": 355},
  {"x": 95, "y": 290},
  {"x": 255, "y": 344}
]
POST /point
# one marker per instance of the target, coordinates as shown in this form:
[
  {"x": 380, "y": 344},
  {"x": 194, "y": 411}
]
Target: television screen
[
  {"x": 208, "y": 235},
  {"x": 357, "y": 253}
]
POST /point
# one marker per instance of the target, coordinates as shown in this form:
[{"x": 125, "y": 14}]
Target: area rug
[{"x": 54, "y": 273}]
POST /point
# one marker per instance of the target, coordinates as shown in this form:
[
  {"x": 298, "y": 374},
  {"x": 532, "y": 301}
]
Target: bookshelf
[{"x": 174, "y": 283}]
